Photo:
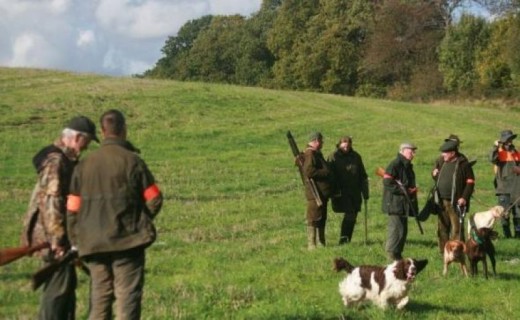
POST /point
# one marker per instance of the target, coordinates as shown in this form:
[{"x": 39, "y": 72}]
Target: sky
[{"x": 111, "y": 37}]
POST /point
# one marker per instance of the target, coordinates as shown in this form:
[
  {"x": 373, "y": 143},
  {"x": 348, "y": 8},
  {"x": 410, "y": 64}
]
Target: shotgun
[
  {"x": 40, "y": 276},
  {"x": 9, "y": 255},
  {"x": 299, "y": 163},
  {"x": 381, "y": 172}
]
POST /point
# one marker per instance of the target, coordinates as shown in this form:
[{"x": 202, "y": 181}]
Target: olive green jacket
[
  {"x": 116, "y": 201},
  {"x": 315, "y": 167}
]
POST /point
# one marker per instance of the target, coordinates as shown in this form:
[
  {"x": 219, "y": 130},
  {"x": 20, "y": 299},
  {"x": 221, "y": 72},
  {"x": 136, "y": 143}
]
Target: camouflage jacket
[{"x": 45, "y": 217}]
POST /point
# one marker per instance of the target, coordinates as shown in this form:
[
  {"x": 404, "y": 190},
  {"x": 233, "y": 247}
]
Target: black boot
[
  {"x": 505, "y": 227},
  {"x": 516, "y": 223}
]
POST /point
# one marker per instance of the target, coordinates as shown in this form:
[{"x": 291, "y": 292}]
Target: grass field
[{"x": 231, "y": 235}]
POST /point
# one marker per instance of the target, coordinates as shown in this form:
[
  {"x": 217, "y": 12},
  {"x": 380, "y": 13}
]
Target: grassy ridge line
[{"x": 231, "y": 235}]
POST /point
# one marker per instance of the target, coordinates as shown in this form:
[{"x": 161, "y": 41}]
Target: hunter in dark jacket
[
  {"x": 455, "y": 182},
  {"x": 110, "y": 210},
  {"x": 399, "y": 177},
  {"x": 351, "y": 185}
]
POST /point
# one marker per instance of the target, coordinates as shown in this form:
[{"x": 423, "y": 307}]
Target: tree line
[{"x": 406, "y": 50}]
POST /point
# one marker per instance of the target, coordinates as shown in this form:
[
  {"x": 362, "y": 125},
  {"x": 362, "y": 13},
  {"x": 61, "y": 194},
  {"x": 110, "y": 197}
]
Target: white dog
[
  {"x": 486, "y": 219},
  {"x": 381, "y": 285}
]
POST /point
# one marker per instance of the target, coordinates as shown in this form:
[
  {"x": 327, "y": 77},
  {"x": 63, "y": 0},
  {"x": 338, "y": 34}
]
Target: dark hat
[
  {"x": 453, "y": 137},
  {"x": 407, "y": 145},
  {"x": 315, "y": 136},
  {"x": 507, "y": 135},
  {"x": 84, "y": 125},
  {"x": 449, "y": 145}
]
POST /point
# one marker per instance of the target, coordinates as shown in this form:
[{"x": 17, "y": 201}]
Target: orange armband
[
  {"x": 73, "y": 203},
  {"x": 151, "y": 192}
]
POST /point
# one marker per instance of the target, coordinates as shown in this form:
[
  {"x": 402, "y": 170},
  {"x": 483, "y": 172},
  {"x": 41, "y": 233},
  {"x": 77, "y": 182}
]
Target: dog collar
[{"x": 475, "y": 237}]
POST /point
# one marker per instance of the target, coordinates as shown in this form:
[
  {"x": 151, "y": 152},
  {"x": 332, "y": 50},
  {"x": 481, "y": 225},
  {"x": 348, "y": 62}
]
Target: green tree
[
  {"x": 459, "y": 50},
  {"x": 402, "y": 48},
  {"x": 214, "y": 53},
  {"x": 492, "y": 63},
  {"x": 177, "y": 46},
  {"x": 285, "y": 38},
  {"x": 255, "y": 60}
]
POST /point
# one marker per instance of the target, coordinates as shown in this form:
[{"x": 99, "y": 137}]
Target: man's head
[
  {"x": 449, "y": 150},
  {"x": 78, "y": 133},
  {"x": 407, "y": 150},
  {"x": 113, "y": 124},
  {"x": 345, "y": 144},
  {"x": 316, "y": 140},
  {"x": 507, "y": 137}
]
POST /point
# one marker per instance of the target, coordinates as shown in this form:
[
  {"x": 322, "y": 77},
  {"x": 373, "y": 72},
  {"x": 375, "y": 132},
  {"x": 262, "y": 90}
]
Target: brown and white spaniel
[{"x": 383, "y": 285}]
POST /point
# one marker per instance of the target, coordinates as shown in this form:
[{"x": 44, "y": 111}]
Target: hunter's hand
[
  {"x": 461, "y": 202},
  {"x": 435, "y": 172},
  {"x": 58, "y": 251},
  {"x": 516, "y": 170}
]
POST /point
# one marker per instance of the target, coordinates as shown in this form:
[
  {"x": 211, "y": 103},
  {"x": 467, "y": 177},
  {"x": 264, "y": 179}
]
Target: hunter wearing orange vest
[{"x": 506, "y": 159}]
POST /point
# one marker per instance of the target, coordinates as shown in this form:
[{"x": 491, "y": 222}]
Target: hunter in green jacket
[{"x": 110, "y": 210}]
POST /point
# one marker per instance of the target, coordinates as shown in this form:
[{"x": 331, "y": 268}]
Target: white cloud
[
  {"x": 85, "y": 38},
  {"x": 33, "y": 50},
  {"x": 119, "y": 37}
]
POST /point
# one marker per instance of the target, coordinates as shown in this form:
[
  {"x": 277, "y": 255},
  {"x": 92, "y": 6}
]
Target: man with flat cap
[
  {"x": 455, "y": 182},
  {"x": 316, "y": 168},
  {"x": 506, "y": 159},
  {"x": 45, "y": 218},
  {"x": 396, "y": 204}
]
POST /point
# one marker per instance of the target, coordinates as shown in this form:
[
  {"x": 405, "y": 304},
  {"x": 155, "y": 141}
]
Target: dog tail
[{"x": 342, "y": 264}]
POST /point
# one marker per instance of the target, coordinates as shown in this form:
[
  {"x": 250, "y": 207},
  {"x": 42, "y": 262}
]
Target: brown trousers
[{"x": 116, "y": 276}]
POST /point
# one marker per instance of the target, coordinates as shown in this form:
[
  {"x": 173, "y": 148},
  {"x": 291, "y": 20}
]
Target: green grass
[{"x": 231, "y": 235}]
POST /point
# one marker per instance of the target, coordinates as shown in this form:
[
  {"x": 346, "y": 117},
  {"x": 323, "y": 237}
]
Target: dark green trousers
[
  {"x": 116, "y": 276},
  {"x": 58, "y": 300},
  {"x": 396, "y": 238}
]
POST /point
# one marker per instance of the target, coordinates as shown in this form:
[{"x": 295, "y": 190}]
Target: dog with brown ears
[
  {"x": 455, "y": 251},
  {"x": 383, "y": 285}
]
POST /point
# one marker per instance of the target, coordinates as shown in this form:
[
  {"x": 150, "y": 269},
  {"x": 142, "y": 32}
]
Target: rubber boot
[
  {"x": 505, "y": 229},
  {"x": 516, "y": 223},
  {"x": 350, "y": 230},
  {"x": 344, "y": 238},
  {"x": 321, "y": 236},
  {"x": 311, "y": 238}
]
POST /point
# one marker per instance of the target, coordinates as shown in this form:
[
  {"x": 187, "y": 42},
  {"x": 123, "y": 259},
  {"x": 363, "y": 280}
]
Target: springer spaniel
[{"x": 381, "y": 285}]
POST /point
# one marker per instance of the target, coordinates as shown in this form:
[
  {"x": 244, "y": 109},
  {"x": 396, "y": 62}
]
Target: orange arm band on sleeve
[
  {"x": 73, "y": 203},
  {"x": 151, "y": 192}
]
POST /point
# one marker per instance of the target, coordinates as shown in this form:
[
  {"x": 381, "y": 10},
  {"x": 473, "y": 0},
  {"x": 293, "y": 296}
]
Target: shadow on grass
[{"x": 425, "y": 309}]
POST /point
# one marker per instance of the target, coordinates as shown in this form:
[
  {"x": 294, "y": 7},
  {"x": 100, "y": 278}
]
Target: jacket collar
[{"x": 120, "y": 142}]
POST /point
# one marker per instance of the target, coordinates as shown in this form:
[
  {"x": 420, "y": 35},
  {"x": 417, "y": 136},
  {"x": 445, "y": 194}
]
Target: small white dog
[
  {"x": 486, "y": 219},
  {"x": 381, "y": 285}
]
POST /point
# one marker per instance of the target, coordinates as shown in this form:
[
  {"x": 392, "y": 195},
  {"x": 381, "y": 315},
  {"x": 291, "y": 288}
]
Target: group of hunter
[{"x": 342, "y": 178}]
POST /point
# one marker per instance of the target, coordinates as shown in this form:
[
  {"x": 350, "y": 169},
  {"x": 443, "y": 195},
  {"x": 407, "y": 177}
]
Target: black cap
[
  {"x": 84, "y": 125},
  {"x": 449, "y": 145},
  {"x": 507, "y": 135}
]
